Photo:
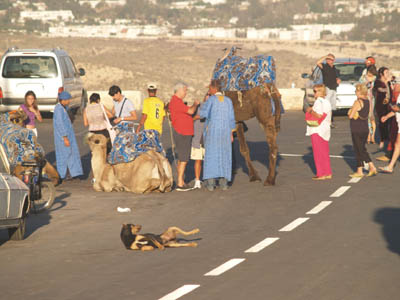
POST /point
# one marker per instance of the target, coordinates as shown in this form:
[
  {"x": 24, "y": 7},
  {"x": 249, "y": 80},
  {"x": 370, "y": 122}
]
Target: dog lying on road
[{"x": 148, "y": 241}]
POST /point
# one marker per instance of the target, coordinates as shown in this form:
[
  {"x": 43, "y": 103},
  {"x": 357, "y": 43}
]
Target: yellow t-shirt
[{"x": 153, "y": 107}]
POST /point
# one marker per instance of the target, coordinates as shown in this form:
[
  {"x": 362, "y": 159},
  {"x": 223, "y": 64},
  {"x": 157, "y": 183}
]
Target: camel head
[{"x": 96, "y": 140}]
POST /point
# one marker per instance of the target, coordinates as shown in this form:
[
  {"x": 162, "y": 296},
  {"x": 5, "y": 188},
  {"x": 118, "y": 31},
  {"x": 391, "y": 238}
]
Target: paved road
[{"x": 347, "y": 249}]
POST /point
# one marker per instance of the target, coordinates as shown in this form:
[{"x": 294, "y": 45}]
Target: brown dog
[{"x": 148, "y": 241}]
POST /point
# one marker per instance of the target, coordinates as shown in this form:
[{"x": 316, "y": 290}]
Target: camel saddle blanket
[
  {"x": 128, "y": 145},
  {"x": 237, "y": 73},
  {"x": 19, "y": 144}
]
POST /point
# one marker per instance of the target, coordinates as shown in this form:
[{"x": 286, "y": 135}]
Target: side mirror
[
  {"x": 82, "y": 72},
  {"x": 305, "y": 75}
]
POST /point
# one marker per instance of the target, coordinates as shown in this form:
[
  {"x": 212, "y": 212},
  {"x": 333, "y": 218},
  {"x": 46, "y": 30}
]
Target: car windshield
[
  {"x": 350, "y": 72},
  {"x": 30, "y": 67}
]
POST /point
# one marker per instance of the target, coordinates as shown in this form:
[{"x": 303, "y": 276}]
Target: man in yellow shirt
[{"x": 153, "y": 111}]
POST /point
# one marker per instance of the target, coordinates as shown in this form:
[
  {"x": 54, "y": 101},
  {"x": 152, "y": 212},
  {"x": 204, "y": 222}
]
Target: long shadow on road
[{"x": 389, "y": 218}]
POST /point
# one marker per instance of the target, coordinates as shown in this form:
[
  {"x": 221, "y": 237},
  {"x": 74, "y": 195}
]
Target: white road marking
[
  {"x": 183, "y": 290},
  {"x": 319, "y": 207},
  {"x": 294, "y": 224},
  {"x": 225, "y": 267},
  {"x": 354, "y": 180},
  {"x": 261, "y": 245},
  {"x": 340, "y": 191},
  {"x": 302, "y": 155}
]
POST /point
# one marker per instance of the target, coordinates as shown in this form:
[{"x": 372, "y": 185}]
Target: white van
[{"x": 46, "y": 72}]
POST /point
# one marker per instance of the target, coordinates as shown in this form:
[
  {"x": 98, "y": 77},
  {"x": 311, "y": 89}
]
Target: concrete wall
[{"x": 292, "y": 99}]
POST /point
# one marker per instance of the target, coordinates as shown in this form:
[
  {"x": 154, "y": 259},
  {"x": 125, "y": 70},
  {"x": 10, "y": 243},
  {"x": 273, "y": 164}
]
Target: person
[
  {"x": 67, "y": 152},
  {"x": 382, "y": 92},
  {"x": 182, "y": 125},
  {"x": 320, "y": 135},
  {"x": 153, "y": 112},
  {"x": 218, "y": 136},
  {"x": 197, "y": 152},
  {"x": 395, "y": 111},
  {"x": 96, "y": 116},
  {"x": 31, "y": 109},
  {"x": 369, "y": 61},
  {"x": 370, "y": 79},
  {"x": 123, "y": 110},
  {"x": 358, "y": 115},
  {"x": 330, "y": 80}
]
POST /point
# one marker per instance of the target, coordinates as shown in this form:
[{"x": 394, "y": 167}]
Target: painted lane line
[
  {"x": 340, "y": 191},
  {"x": 309, "y": 155},
  {"x": 225, "y": 267},
  {"x": 354, "y": 180},
  {"x": 261, "y": 245},
  {"x": 319, "y": 208},
  {"x": 183, "y": 290},
  {"x": 294, "y": 224}
]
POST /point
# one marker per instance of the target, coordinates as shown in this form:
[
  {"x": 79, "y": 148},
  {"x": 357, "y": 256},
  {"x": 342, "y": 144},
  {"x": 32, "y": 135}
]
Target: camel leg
[
  {"x": 271, "y": 134},
  {"x": 244, "y": 150}
]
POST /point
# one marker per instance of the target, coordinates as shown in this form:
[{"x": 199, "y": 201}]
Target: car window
[
  {"x": 350, "y": 72},
  {"x": 68, "y": 72},
  {"x": 316, "y": 76},
  {"x": 72, "y": 66},
  {"x": 30, "y": 67}
]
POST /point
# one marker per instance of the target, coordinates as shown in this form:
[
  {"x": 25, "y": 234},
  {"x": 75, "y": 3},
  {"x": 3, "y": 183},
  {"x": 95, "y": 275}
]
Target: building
[
  {"x": 94, "y": 3},
  {"x": 47, "y": 15}
]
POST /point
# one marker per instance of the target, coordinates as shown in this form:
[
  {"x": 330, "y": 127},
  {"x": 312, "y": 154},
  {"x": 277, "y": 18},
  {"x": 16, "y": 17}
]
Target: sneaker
[
  {"x": 210, "y": 184},
  {"x": 197, "y": 184},
  {"x": 183, "y": 188}
]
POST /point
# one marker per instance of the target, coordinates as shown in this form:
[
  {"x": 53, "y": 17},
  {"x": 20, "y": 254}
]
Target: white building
[
  {"x": 218, "y": 32},
  {"x": 215, "y": 2},
  {"x": 47, "y": 15},
  {"x": 111, "y": 3}
]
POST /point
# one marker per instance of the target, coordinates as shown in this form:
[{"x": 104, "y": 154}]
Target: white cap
[{"x": 152, "y": 86}]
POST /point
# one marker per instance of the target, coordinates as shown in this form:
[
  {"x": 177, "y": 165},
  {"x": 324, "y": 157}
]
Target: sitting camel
[{"x": 148, "y": 172}]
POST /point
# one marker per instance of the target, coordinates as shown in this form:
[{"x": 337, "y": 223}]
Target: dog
[{"x": 132, "y": 240}]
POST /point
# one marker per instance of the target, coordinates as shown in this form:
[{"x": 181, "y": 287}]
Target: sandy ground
[{"x": 132, "y": 64}]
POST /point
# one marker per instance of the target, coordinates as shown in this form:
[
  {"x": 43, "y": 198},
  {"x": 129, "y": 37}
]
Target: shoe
[
  {"x": 183, "y": 188},
  {"x": 328, "y": 176},
  {"x": 356, "y": 175},
  {"x": 385, "y": 170},
  {"x": 333, "y": 125},
  {"x": 197, "y": 184},
  {"x": 319, "y": 178},
  {"x": 372, "y": 173},
  {"x": 383, "y": 158},
  {"x": 210, "y": 184},
  {"x": 366, "y": 166},
  {"x": 223, "y": 183}
]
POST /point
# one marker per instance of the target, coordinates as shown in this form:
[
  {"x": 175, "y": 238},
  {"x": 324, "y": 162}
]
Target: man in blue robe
[
  {"x": 220, "y": 121},
  {"x": 67, "y": 152}
]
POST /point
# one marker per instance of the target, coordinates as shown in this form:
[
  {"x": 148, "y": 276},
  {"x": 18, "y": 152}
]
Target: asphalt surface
[{"x": 349, "y": 250}]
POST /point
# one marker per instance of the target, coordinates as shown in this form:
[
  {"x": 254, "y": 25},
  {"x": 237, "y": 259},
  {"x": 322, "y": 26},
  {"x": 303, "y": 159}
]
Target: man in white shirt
[{"x": 123, "y": 109}]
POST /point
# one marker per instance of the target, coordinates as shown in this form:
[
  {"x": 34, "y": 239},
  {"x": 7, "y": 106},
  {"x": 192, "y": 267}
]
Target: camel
[
  {"x": 148, "y": 172},
  {"x": 256, "y": 102}
]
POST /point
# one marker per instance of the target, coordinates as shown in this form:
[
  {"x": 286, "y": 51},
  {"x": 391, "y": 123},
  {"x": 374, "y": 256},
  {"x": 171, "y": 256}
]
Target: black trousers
[{"x": 359, "y": 140}]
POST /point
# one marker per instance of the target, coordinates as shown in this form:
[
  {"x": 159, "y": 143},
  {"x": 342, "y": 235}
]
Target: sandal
[
  {"x": 356, "y": 175},
  {"x": 385, "y": 170},
  {"x": 372, "y": 173}
]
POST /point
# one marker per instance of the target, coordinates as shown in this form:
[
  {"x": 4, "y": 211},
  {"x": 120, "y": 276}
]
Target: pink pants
[{"x": 321, "y": 155}]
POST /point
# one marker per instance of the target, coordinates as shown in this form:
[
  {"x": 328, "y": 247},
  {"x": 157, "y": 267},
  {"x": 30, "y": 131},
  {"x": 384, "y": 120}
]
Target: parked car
[
  {"x": 349, "y": 71},
  {"x": 46, "y": 72},
  {"x": 14, "y": 205}
]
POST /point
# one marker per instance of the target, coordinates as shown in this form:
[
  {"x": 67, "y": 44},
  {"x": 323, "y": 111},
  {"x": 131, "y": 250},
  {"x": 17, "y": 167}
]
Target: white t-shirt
[
  {"x": 126, "y": 109},
  {"x": 321, "y": 106}
]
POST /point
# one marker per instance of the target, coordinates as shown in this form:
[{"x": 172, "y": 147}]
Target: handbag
[{"x": 313, "y": 121}]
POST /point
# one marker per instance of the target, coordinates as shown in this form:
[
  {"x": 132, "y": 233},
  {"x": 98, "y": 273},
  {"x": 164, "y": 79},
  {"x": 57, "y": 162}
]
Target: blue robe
[
  {"x": 220, "y": 121},
  {"x": 66, "y": 157}
]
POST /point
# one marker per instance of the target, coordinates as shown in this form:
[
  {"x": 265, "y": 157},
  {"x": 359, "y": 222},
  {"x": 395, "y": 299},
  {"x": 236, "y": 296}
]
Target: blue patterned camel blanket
[
  {"x": 237, "y": 73},
  {"x": 20, "y": 144},
  {"x": 128, "y": 145}
]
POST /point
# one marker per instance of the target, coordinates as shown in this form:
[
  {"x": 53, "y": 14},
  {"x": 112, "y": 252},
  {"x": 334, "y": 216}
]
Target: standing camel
[{"x": 257, "y": 97}]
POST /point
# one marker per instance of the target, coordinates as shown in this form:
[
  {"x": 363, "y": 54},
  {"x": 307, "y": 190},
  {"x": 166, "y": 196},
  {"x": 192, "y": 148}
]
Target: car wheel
[{"x": 17, "y": 234}]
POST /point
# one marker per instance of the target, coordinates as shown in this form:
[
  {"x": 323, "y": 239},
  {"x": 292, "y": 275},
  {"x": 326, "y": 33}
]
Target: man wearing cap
[
  {"x": 123, "y": 109},
  {"x": 330, "y": 79},
  {"x": 153, "y": 111},
  {"x": 67, "y": 152},
  {"x": 369, "y": 61}
]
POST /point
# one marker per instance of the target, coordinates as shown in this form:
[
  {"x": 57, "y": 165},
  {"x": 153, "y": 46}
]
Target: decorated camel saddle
[
  {"x": 238, "y": 74},
  {"x": 128, "y": 146},
  {"x": 18, "y": 143}
]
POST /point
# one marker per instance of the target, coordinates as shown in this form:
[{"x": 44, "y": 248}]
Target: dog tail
[{"x": 178, "y": 230}]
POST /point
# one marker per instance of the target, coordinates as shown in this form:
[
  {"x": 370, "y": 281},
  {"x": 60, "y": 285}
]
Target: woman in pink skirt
[{"x": 321, "y": 134}]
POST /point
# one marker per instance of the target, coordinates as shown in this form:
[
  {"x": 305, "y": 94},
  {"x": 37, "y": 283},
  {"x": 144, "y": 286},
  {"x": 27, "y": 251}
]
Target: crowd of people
[{"x": 377, "y": 106}]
